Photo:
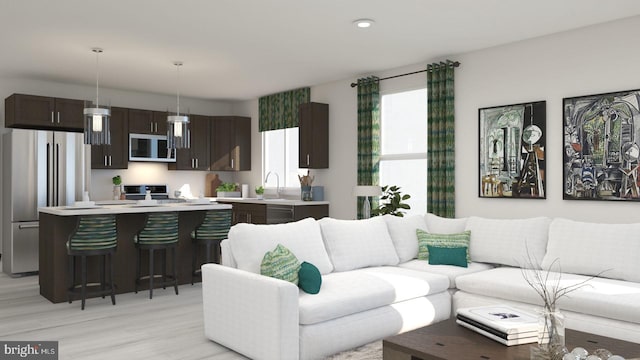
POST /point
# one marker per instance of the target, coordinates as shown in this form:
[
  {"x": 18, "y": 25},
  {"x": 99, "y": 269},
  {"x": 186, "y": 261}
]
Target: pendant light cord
[
  {"x": 178, "y": 64},
  {"x": 97, "y": 51}
]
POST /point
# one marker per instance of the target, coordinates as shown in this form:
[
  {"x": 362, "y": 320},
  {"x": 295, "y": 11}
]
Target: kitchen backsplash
[{"x": 150, "y": 173}]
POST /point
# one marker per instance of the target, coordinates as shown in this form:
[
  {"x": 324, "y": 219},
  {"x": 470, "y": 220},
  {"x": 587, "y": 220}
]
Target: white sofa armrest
[{"x": 252, "y": 314}]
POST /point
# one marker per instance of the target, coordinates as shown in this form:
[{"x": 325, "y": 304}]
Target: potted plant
[
  {"x": 117, "y": 181},
  {"x": 259, "y": 192},
  {"x": 228, "y": 190},
  {"x": 394, "y": 203}
]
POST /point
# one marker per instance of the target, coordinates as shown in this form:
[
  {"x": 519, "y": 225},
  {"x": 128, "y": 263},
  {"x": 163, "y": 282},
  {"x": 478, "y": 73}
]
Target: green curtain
[
  {"x": 440, "y": 140},
  {"x": 280, "y": 111},
  {"x": 368, "y": 135}
]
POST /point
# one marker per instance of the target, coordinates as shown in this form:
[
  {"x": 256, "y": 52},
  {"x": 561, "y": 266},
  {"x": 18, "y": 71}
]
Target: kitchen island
[{"x": 58, "y": 223}]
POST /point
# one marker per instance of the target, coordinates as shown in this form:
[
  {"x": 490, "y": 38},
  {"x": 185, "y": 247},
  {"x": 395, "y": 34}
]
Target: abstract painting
[
  {"x": 601, "y": 136},
  {"x": 512, "y": 151}
]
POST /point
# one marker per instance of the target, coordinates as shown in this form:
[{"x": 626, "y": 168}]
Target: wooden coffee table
[{"x": 447, "y": 340}]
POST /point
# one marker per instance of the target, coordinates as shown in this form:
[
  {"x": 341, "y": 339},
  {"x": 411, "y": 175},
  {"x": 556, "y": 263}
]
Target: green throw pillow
[
  {"x": 280, "y": 263},
  {"x": 441, "y": 240},
  {"x": 310, "y": 278},
  {"x": 447, "y": 256}
]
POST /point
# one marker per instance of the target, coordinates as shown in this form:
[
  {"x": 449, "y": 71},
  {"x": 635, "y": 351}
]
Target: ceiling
[{"x": 243, "y": 49}]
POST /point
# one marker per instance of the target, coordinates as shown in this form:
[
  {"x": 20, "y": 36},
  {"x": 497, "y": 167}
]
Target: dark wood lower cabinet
[{"x": 274, "y": 213}]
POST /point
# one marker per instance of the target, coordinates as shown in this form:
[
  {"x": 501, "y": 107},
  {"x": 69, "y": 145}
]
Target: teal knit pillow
[
  {"x": 310, "y": 278},
  {"x": 441, "y": 240},
  {"x": 280, "y": 263},
  {"x": 456, "y": 256}
]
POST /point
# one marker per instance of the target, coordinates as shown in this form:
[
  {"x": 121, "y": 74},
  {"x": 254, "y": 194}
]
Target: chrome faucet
[{"x": 277, "y": 182}]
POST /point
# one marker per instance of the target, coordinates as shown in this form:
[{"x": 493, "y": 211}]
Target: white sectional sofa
[{"x": 374, "y": 287}]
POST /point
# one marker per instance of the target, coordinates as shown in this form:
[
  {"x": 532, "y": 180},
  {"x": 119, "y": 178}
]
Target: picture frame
[
  {"x": 601, "y": 136},
  {"x": 512, "y": 145}
]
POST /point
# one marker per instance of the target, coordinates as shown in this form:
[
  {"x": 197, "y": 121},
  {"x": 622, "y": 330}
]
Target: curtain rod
[{"x": 455, "y": 64}]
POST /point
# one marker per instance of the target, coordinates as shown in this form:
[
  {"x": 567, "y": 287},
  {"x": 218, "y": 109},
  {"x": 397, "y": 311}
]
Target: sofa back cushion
[
  {"x": 403, "y": 234},
  {"x": 508, "y": 242},
  {"x": 591, "y": 248},
  {"x": 249, "y": 243},
  {"x": 354, "y": 244},
  {"x": 441, "y": 225}
]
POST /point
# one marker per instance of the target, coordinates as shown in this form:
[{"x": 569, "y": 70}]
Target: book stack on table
[{"x": 503, "y": 324}]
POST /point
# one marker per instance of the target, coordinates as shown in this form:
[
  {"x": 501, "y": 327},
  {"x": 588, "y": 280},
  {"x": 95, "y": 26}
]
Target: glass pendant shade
[
  {"x": 96, "y": 125},
  {"x": 178, "y": 135},
  {"x": 96, "y": 118}
]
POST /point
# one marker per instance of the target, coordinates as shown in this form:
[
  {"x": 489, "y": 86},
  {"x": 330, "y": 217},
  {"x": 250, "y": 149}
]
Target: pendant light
[
  {"x": 96, "y": 118},
  {"x": 178, "y": 135}
]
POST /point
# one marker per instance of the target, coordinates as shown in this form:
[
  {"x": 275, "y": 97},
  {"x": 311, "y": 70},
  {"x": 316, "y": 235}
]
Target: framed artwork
[
  {"x": 512, "y": 151},
  {"x": 601, "y": 136}
]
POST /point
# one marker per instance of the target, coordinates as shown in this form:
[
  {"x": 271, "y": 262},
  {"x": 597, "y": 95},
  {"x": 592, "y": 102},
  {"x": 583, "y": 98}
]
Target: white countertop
[
  {"x": 273, "y": 201},
  {"x": 129, "y": 208}
]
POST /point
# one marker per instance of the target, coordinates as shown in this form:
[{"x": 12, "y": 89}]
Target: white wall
[{"x": 591, "y": 60}]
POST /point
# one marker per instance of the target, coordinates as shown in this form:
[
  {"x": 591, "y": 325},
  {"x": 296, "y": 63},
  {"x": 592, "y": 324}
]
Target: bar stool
[
  {"x": 159, "y": 233},
  {"x": 214, "y": 229},
  {"x": 95, "y": 235}
]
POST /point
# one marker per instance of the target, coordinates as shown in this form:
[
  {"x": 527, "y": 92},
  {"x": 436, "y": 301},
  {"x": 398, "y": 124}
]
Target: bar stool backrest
[
  {"x": 94, "y": 232},
  {"x": 215, "y": 226},
  {"x": 160, "y": 228}
]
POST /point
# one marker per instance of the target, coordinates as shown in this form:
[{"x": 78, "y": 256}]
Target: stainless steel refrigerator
[{"x": 41, "y": 168}]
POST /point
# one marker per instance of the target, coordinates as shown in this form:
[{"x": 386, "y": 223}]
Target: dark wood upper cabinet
[
  {"x": 44, "y": 113},
  {"x": 313, "y": 127},
  {"x": 197, "y": 156},
  {"x": 116, "y": 155},
  {"x": 230, "y": 143},
  {"x": 147, "y": 122}
]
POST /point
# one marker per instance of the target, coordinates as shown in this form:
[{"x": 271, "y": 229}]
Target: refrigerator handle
[
  {"x": 49, "y": 195},
  {"x": 57, "y": 176}
]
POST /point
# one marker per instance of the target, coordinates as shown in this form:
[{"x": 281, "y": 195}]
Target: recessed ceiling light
[{"x": 363, "y": 23}]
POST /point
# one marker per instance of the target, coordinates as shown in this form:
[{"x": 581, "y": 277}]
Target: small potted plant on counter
[
  {"x": 117, "y": 181},
  {"x": 259, "y": 192},
  {"x": 228, "y": 190}
]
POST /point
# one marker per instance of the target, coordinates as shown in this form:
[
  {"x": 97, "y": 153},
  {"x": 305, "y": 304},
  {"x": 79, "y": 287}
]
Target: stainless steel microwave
[{"x": 146, "y": 147}]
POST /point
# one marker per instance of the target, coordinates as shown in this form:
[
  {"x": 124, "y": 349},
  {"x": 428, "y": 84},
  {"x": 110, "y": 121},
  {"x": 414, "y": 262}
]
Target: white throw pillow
[
  {"x": 354, "y": 244},
  {"x": 249, "y": 243},
  {"x": 441, "y": 225},
  {"x": 590, "y": 248},
  {"x": 508, "y": 241},
  {"x": 403, "y": 234}
]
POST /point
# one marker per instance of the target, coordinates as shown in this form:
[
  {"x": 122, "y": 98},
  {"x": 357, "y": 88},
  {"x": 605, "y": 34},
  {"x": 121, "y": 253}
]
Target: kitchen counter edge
[{"x": 129, "y": 209}]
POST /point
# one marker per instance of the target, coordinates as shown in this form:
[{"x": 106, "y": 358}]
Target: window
[
  {"x": 280, "y": 156},
  {"x": 403, "y": 145}
]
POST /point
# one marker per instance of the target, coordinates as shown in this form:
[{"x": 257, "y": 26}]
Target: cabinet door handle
[
  {"x": 197, "y": 163},
  {"x": 105, "y": 160},
  {"x": 110, "y": 162},
  {"x": 58, "y": 117},
  {"x": 151, "y": 126},
  {"x": 232, "y": 163},
  {"x": 156, "y": 125},
  {"x": 307, "y": 159},
  {"x": 52, "y": 119}
]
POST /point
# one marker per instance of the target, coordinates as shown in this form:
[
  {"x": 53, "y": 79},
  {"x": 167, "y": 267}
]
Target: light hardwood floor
[{"x": 166, "y": 327}]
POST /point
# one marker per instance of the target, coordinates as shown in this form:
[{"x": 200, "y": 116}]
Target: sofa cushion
[
  {"x": 452, "y": 272},
  {"x": 354, "y": 244},
  {"x": 249, "y": 243},
  {"x": 456, "y": 256},
  {"x": 350, "y": 292},
  {"x": 508, "y": 241},
  {"x": 442, "y": 240},
  {"x": 441, "y": 225},
  {"x": 403, "y": 234},
  {"x": 613, "y": 299},
  {"x": 592, "y": 248},
  {"x": 310, "y": 279},
  {"x": 280, "y": 263}
]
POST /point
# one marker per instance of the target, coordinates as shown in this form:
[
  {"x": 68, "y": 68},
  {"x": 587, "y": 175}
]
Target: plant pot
[
  {"x": 259, "y": 196},
  {"x": 228, "y": 194}
]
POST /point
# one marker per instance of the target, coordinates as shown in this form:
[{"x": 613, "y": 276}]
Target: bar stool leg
[
  {"x": 193, "y": 259},
  {"x": 135, "y": 286},
  {"x": 113, "y": 290},
  {"x": 175, "y": 273},
  {"x": 163, "y": 264},
  {"x": 83, "y": 291},
  {"x": 103, "y": 270},
  {"x": 71, "y": 277},
  {"x": 151, "y": 273}
]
